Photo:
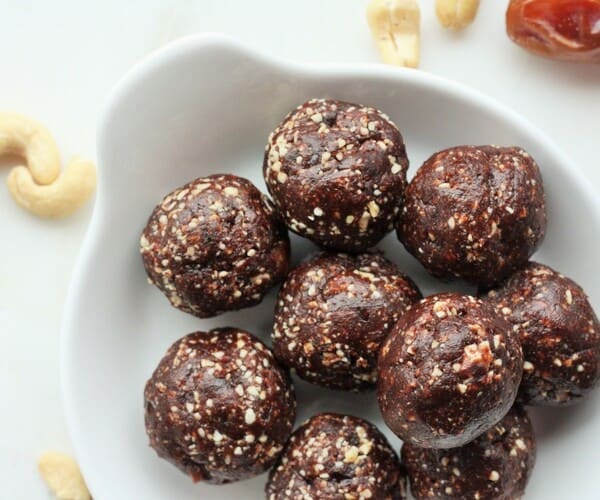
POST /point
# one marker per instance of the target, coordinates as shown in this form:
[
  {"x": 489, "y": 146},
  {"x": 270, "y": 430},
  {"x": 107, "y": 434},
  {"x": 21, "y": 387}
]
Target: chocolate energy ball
[
  {"x": 559, "y": 332},
  {"x": 215, "y": 245},
  {"x": 337, "y": 173},
  {"x": 476, "y": 213},
  {"x": 496, "y": 466},
  {"x": 449, "y": 370},
  {"x": 219, "y": 407},
  {"x": 332, "y": 314},
  {"x": 333, "y": 457}
]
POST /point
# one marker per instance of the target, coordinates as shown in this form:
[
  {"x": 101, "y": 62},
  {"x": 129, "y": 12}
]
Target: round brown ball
[
  {"x": 332, "y": 314},
  {"x": 219, "y": 407},
  {"x": 476, "y": 213},
  {"x": 333, "y": 457},
  {"x": 215, "y": 245},
  {"x": 559, "y": 332},
  {"x": 337, "y": 173},
  {"x": 496, "y": 466},
  {"x": 448, "y": 371}
]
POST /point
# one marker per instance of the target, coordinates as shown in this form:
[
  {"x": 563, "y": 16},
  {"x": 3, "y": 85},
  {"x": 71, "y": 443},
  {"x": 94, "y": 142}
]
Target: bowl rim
[{"x": 146, "y": 66}]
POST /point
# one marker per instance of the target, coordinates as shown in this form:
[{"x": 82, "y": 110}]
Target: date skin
[{"x": 559, "y": 29}]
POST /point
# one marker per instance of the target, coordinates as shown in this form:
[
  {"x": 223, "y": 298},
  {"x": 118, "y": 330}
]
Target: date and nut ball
[
  {"x": 215, "y": 245},
  {"x": 559, "y": 332},
  {"x": 476, "y": 213},
  {"x": 448, "y": 371},
  {"x": 333, "y": 457},
  {"x": 219, "y": 407},
  {"x": 337, "y": 173},
  {"x": 495, "y": 466},
  {"x": 332, "y": 314}
]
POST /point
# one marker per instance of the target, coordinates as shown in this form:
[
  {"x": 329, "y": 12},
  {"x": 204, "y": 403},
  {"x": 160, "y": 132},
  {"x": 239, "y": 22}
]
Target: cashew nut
[
  {"x": 38, "y": 187},
  {"x": 65, "y": 195},
  {"x": 30, "y": 140},
  {"x": 395, "y": 25},
  {"x": 456, "y": 14},
  {"x": 63, "y": 477}
]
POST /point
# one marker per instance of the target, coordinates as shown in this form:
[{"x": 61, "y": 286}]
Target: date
[{"x": 560, "y": 29}]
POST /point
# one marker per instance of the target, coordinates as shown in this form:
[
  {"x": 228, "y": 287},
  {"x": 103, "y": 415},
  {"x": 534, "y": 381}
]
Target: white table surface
[{"x": 61, "y": 58}]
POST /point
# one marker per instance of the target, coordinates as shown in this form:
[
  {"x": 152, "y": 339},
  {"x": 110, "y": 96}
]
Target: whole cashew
[
  {"x": 395, "y": 25},
  {"x": 37, "y": 187}
]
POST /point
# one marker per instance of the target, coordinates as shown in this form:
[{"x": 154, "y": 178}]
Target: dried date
[{"x": 560, "y": 29}]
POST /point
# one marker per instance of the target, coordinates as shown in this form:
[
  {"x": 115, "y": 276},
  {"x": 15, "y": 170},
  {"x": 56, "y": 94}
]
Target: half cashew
[
  {"x": 63, "y": 477},
  {"x": 456, "y": 14},
  {"x": 37, "y": 187},
  {"x": 395, "y": 25}
]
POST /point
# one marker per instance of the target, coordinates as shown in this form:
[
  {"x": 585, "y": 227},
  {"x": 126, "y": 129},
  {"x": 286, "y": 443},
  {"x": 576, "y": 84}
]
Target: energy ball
[
  {"x": 337, "y": 173},
  {"x": 334, "y": 456},
  {"x": 219, "y": 407},
  {"x": 332, "y": 314},
  {"x": 448, "y": 371},
  {"x": 559, "y": 332},
  {"x": 476, "y": 213},
  {"x": 215, "y": 245},
  {"x": 496, "y": 466}
]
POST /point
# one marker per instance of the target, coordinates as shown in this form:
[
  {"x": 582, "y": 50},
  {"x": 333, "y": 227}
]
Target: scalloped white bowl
[{"x": 206, "y": 104}]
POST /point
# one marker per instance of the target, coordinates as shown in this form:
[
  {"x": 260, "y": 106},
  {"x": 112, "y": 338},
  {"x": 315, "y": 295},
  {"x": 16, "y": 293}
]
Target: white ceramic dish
[{"x": 204, "y": 105}]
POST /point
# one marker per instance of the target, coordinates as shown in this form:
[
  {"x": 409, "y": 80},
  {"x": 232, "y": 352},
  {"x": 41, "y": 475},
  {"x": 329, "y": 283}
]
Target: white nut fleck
[
  {"x": 351, "y": 455},
  {"x": 373, "y": 209},
  {"x": 497, "y": 341},
  {"x": 569, "y": 297},
  {"x": 363, "y": 222},
  {"x": 250, "y": 416},
  {"x": 521, "y": 444}
]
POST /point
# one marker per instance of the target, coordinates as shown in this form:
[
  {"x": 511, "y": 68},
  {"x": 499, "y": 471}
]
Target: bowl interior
[{"x": 206, "y": 105}]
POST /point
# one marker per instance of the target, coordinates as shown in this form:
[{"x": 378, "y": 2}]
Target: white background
[{"x": 61, "y": 58}]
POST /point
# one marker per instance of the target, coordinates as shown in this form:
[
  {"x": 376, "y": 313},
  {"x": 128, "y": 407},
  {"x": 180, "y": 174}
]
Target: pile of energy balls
[{"x": 453, "y": 372}]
